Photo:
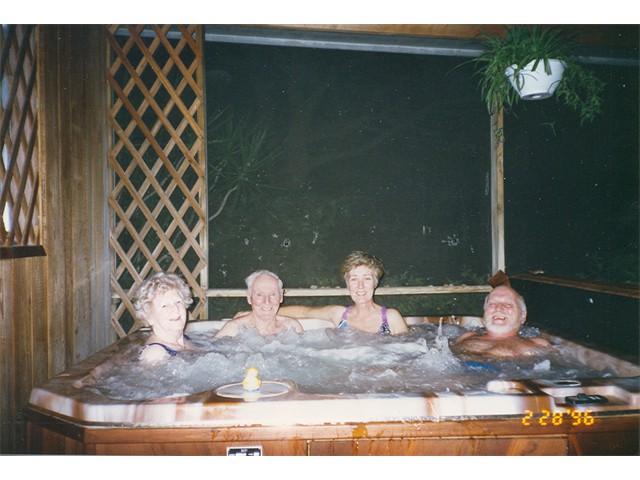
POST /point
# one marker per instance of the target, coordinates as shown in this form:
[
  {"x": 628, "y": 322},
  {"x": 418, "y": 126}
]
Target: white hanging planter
[{"x": 536, "y": 84}]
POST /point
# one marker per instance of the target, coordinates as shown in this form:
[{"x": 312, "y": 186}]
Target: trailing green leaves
[{"x": 580, "y": 89}]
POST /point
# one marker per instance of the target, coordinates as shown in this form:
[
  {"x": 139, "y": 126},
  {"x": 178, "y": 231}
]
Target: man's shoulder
[
  {"x": 540, "y": 341},
  {"x": 466, "y": 336}
]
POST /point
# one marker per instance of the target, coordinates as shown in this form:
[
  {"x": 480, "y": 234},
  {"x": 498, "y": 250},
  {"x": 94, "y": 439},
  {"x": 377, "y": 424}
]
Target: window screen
[{"x": 314, "y": 153}]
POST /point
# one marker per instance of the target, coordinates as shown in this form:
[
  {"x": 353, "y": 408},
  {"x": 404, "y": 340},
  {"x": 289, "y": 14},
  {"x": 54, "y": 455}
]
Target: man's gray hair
[
  {"x": 251, "y": 278},
  {"x": 519, "y": 298}
]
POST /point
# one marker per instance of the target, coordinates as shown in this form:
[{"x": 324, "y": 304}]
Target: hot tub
[{"x": 508, "y": 415}]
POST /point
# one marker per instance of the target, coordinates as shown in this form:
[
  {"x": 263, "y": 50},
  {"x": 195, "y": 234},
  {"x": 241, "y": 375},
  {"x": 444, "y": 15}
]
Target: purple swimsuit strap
[{"x": 384, "y": 327}]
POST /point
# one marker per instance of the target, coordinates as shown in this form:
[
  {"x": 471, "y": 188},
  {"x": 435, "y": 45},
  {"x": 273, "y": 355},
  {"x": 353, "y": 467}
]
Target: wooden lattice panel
[
  {"x": 19, "y": 174},
  {"x": 157, "y": 162}
]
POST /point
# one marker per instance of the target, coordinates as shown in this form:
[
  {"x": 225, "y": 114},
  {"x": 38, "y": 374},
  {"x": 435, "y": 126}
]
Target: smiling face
[
  {"x": 265, "y": 297},
  {"x": 361, "y": 283},
  {"x": 167, "y": 313},
  {"x": 503, "y": 314}
]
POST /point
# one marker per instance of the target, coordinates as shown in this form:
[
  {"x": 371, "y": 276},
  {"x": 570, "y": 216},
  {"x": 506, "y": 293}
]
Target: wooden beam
[
  {"x": 622, "y": 36},
  {"x": 338, "y": 292},
  {"x": 620, "y": 289}
]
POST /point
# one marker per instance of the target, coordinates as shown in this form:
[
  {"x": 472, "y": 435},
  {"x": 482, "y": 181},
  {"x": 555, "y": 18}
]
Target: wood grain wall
[{"x": 54, "y": 310}]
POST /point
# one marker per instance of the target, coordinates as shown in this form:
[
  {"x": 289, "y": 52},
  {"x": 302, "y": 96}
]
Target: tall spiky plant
[{"x": 238, "y": 157}]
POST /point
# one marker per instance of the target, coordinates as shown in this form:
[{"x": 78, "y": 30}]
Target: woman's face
[
  {"x": 167, "y": 312},
  {"x": 361, "y": 283}
]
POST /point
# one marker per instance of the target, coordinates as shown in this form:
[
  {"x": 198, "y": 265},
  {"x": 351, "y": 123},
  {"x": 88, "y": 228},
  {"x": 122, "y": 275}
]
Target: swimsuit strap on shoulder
[
  {"x": 343, "y": 320},
  {"x": 384, "y": 328},
  {"x": 169, "y": 350}
]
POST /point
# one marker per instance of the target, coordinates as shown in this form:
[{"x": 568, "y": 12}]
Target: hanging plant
[{"x": 526, "y": 52}]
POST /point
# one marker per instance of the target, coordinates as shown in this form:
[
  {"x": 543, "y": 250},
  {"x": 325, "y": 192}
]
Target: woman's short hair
[
  {"x": 357, "y": 259},
  {"x": 155, "y": 285}
]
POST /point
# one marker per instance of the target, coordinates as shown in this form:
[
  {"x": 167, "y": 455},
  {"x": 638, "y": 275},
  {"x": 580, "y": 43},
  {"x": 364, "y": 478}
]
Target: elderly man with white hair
[{"x": 264, "y": 294}]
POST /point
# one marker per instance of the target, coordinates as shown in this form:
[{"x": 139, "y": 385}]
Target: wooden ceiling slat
[{"x": 601, "y": 35}]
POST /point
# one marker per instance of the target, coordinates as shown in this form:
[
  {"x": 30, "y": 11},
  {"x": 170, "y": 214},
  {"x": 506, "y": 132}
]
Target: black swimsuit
[{"x": 169, "y": 350}]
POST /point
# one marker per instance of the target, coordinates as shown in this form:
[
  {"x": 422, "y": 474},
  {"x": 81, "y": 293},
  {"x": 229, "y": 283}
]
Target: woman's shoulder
[
  {"x": 152, "y": 352},
  {"x": 392, "y": 312},
  {"x": 396, "y": 321}
]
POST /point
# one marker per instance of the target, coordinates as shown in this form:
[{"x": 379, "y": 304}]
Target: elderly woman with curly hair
[
  {"x": 361, "y": 272},
  {"x": 161, "y": 303}
]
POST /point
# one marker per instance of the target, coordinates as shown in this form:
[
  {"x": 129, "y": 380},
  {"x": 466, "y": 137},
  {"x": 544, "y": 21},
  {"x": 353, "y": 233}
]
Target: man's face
[
  {"x": 265, "y": 296},
  {"x": 503, "y": 316}
]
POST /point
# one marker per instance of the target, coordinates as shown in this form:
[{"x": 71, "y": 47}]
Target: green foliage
[
  {"x": 621, "y": 267},
  {"x": 404, "y": 279},
  {"x": 468, "y": 277},
  {"x": 293, "y": 227},
  {"x": 238, "y": 157},
  {"x": 580, "y": 89}
]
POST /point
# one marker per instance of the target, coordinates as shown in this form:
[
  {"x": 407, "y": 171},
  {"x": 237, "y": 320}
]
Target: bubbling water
[{"x": 333, "y": 362}]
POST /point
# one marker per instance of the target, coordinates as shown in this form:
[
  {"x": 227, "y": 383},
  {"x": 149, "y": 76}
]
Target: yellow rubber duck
[{"x": 251, "y": 382}]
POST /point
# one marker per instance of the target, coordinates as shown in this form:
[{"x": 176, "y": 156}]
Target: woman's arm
[
  {"x": 397, "y": 325},
  {"x": 332, "y": 313}
]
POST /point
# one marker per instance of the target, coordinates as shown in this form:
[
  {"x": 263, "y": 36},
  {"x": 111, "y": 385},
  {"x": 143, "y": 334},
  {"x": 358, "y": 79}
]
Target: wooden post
[
  {"x": 202, "y": 155},
  {"x": 497, "y": 191}
]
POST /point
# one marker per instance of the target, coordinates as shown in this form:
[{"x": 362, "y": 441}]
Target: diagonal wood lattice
[
  {"x": 157, "y": 198},
  {"x": 19, "y": 174}
]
